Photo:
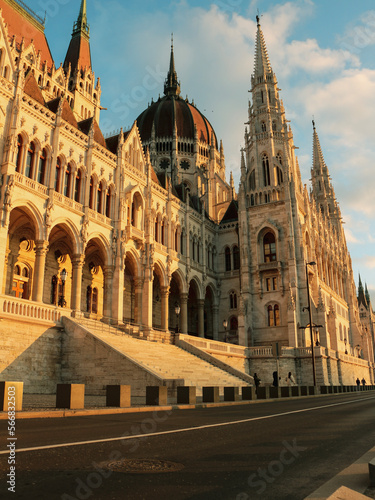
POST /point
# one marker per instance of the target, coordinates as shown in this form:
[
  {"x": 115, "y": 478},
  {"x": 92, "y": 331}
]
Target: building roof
[
  {"x": 85, "y": 126},
  {"x": 32, "y": 89},
  {"x": 24, "y": 26},
  {"x": 231, "y": 215},
  {"x": 79, "y": 54}
]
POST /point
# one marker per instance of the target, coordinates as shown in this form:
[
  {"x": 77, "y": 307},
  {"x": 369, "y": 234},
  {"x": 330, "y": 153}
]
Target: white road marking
[{"x": 186, "y": 429}]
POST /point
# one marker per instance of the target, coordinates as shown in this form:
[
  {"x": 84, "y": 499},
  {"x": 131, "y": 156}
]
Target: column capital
[
  {"x": 184, "y": 298},
  {"x": 200, "y": 302},
  {"x": 164, "y": 290},
  {"x": 78, "y": 260},
  {"x": 41, "y": 247}
]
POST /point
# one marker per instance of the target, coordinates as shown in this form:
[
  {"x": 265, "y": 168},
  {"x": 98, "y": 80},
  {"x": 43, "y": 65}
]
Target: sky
[{"x": 321, "y": 52}]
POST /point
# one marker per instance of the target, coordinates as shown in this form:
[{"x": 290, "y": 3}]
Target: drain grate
[{"x": 144, "y": 466}]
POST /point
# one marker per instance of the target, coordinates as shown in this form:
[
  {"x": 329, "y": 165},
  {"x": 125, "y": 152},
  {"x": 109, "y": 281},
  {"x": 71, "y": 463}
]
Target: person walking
[
  {"x": 358, "y": 382},
  {"x": 275, "y": 382},
  {"x": 290, "y": 379},
  {"x": 256, "y": 381},
  {"x": 363, "y": 381}
]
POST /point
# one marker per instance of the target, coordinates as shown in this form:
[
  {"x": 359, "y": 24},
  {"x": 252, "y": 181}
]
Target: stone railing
[
  {"x": 13, "y": 307},
  {"x": 214, "y": 345},
  {"x": 30, "y": 184}
]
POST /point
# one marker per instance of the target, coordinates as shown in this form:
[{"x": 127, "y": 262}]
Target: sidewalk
[{"x": 351, "y": 483}]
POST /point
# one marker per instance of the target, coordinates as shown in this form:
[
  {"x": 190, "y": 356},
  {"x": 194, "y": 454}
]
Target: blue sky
[{"x": 322, "y": 53}]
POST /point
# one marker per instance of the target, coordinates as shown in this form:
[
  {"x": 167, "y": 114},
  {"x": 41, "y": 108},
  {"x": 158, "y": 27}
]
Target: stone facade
[{"x": 142, "y": 228}]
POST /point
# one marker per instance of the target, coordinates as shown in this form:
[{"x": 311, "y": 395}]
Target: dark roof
[
  {"x": 66, "y": 113},
  {"x": 22, "y": 25},
  {"x": 231, "y": 214},
  {"x": 170, "y": 110},
  {"x": 85, "y": 126},
  {"x": 112, "y": 142},
  {"x": 32, "y": 89}
]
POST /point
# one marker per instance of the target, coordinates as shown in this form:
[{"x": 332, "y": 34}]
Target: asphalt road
[{"x": 270, "y": 450}]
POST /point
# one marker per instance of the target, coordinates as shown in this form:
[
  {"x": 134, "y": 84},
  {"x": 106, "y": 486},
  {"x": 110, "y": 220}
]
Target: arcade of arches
[{"x": 56, "y": 271}]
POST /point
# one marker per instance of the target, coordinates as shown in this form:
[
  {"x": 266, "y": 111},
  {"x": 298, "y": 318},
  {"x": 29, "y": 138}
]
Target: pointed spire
[
  {"x": 81, "y": 24},
  {"x": 172, "y": 85},
  {"x": 361, "y": 294},
  {"x": 367, "y": 295},
  {"x": 318, "y": 159},
  {"x": 262, "y": 64},
  {"x": 79, "y": 55}
]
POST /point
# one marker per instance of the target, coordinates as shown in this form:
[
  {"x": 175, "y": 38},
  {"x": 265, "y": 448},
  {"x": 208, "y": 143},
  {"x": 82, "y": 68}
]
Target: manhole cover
[{"x": 143, "y": 466}]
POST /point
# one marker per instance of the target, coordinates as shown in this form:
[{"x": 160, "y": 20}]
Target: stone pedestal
[
  {"x": 286, "y": 392},
  {"x": 296, "y": 391},
  {"x": 156, "y": 395},
  {"x": 70, "y": 396},
  {"x": 118, "y": 395},
  {"x": 231, "y": 393},
  {"x": 248, "y": 393},
  {"x": 186, "y": 395},
  {"x": 210, "y": 395},
  {"x": 263, "y": 392},
  {"x": 11, "y": 395},
  {"x": 275, "y": 392}
]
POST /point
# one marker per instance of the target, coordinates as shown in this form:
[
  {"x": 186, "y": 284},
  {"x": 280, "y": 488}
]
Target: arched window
[
  {"x": 77, "y": 186},
  {"x": 19, "y": 153},
  {"x": 162, "y": 228},
  {"x": 42, "y": 167},
  {"x": 99, "y": 200},
  {"x": 92, "y": 300},
  {"x": 108, "y": 203},
  {"x": 276, "y": 311},
  {"x": 271, "y": 319},
  {"x": 67, "y": 180},
  {"x": 236, "y": 257},
  {"x": 233, "y": 325},
  {"x": 279, "y": 176},
  {"x": 228, "y": 266},
  {"x": 233, "y": 300},
  {"x": 58, "y": 175},
  {"x": 30, "y": 161},
  {"x": 264, "y": 127},
  {"x": 269, "y": 248},
  {"x": 274, "y": 126},
  {"x": 266, "y": 170},
  {"x": 252, "y": 183},
  {"x": 182, "y": 243},
  {"x": 176, "y": 240},
  {"x": 156, "y": 230},
  {"x": 91, "y": 200}
]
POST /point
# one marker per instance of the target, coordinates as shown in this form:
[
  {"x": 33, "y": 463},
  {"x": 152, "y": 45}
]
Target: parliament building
[{"x": 143, "y": 232}]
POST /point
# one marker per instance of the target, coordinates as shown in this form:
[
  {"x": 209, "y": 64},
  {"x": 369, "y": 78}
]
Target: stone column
[
  {"x": 39, "y": 268},
  {"x": 164, "y": 307},
  {"x": 215, "y": 322},
  {"x": 147, "y": 303},
  {"x": 107, "y": 299},
  {"x": 77, "y": 265},
  {"x": 138, "y": 285},
  {"x": 200, "y": 317},
  {"x": 184, "y": 313},
  {"x": 117, "y": 305}
]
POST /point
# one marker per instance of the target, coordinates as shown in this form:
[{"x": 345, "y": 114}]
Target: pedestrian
[
  {"x": 275, "y": 382},
  {"x": 358, "y": 382},
  {"x": 290, "y": 379},
  {"x": 363, "y": 381},
  {"x": 256, "y": 381}
]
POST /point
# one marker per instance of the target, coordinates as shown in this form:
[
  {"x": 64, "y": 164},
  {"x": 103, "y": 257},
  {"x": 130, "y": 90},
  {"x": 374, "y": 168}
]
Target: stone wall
[{"x": 30, "y": 353}]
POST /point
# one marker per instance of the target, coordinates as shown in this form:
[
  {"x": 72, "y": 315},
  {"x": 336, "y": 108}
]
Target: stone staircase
[{"x": 169, "y": 362}]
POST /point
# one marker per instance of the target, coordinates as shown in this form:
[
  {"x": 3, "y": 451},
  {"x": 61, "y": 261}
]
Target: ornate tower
[
  {"x": 270, "y": 208},
  {"x": 78, "y": 68}
]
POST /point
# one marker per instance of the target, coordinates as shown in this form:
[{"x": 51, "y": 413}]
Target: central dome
[{"x": 172, "y": 111}]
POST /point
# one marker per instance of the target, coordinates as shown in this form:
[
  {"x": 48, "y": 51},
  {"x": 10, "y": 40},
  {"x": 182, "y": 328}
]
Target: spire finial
[
  {"x": 171, "y": 85},
  {"x": 81, "y": 24},
  {"x": 313, "y": 122}
]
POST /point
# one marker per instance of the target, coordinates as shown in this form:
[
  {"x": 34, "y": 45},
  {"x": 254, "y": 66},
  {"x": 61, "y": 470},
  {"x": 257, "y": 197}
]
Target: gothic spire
[
  {"x": 81, "y": 24},
  {"x": 262, "y": 64},
  {"x": 79, "y": 54},
  {"x": 361, "y": 293},
  {"x": 318, "y": 161},
  {"x": 172, "y": 85}
]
